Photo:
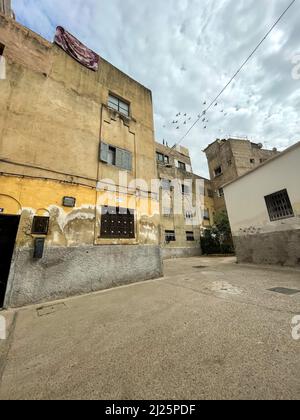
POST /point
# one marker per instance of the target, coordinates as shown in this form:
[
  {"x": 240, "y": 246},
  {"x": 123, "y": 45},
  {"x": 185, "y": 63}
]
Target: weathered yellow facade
[
  {"x": 54, "y": 114},
  {"x": 193, "y": 211}
]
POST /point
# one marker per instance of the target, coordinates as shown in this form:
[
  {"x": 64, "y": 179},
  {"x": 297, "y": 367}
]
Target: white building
[{"x": 264, "y": 211}]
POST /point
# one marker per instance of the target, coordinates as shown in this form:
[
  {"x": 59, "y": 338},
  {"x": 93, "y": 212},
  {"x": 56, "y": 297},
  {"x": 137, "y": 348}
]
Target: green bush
[{"x": 218, "y": 239}]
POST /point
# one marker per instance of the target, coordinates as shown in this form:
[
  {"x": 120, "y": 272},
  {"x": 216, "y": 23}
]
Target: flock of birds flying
[{"x": 182, "y": 120}]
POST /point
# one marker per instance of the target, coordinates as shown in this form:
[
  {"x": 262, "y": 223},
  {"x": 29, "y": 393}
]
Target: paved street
[{"x": 210, "y": 329}]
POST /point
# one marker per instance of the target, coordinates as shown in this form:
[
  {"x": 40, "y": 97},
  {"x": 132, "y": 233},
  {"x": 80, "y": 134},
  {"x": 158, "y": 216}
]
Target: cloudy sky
[{"x": 185, "y": 51}]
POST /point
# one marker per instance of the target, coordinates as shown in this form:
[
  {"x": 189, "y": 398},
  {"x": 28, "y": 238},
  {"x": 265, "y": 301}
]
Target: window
[
  {"x": 218, "y": 171},
  {"x": 161, "y": 158},
  {"x": 190, "y": 237},
  {"x": 2, "y": 47},
  {"x": 210, "y": 193},
  {"x": 220, "y": 193},
  {"x": 185, "y": 189},
  {"x": 118, "y": 105},
  {"x": 262, "y": 160},
  {"x": 252, "y": 161},
  {"x": 279, "y": 206},
  {"x": 117, "y": 223},
  {"x": 182, "y": 166},
  {"x": 40, "y": 225},
  {"x": 69, "y": 202},
  {"x": 111, "y": 156},
  {"x": 206, "y": 214},
  {"x": 170, "y": 236},
  {"x": 229, "y": 162},
  {"x": 116, "y": 157},
  {"x": 189, "y": 215}
]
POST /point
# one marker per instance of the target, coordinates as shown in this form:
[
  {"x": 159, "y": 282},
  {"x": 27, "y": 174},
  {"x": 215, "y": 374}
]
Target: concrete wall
[
  {"x": 172, "y": 253},
  {"x": 258, "y": 239},
  {"x": 72, "y": 271}
]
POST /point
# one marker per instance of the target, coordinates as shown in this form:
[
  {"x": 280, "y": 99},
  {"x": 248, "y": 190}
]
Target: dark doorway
[{"x": 8, "y": 232}]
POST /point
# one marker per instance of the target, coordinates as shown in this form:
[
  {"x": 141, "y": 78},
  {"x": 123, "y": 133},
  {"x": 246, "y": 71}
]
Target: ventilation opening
[
  {"x": 285, "y": 291},
  {"x": 40, "y": 225}
]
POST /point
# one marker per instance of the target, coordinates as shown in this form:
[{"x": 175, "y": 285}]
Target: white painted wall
[{"x": 245, "y": 201}]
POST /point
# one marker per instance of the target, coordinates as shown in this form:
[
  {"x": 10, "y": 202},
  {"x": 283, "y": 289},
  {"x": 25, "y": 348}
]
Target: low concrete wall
[
  {"x": 64, "y": 272},
  {"x": 278, "y": 248},
  {"x": 169, "y": 253}
]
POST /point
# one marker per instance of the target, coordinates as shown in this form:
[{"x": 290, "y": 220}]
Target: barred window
[
  {"x": 117, "y": 223},
  {"x": 170, "y": 236},
  {"x": 279, "y": 206}
]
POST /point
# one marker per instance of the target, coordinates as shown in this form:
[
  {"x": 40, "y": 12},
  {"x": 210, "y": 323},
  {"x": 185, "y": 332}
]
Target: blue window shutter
[
  {"x": 124, "y": 159},
  {"x": 119, "y": 158},
  {"x": 104, "y": 152},
  {"x": 127, "y": 161}
]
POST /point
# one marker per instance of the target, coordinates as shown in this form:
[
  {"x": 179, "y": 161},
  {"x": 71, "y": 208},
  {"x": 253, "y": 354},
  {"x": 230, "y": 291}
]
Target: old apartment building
[
  {"x": 228, "y": 159},
  {"x": 75, "y": 135},
  {"x": 264, "y": 211},
  {"x": 186, "y": 203}
]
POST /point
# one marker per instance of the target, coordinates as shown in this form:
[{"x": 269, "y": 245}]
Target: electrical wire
[{"x": 235, "y": 74}]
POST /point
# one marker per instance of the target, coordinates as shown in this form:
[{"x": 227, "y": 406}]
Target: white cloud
[{"x": 185, "y": 51}]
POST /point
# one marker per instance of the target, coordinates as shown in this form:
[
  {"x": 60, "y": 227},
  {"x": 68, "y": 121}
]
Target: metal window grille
[
  {"x": 279, "y": 206},
  {"x": 170, "y": 236},
  {"x": 117, "y": 223}
]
